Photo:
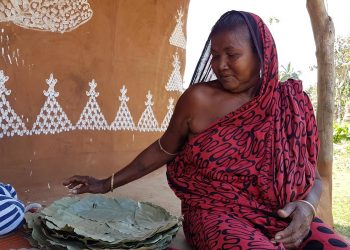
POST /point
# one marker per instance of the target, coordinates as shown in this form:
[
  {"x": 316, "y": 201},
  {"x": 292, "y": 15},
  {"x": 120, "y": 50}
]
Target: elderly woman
[{"x": 241, "y": 149}]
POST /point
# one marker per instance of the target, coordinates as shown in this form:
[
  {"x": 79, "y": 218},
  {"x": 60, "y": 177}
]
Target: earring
[{"x": 260, "y": 73}]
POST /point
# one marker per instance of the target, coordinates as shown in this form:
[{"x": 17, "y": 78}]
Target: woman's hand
[
  {"x": 87, "y": 184},
  {"x": 301, "y": 215}
]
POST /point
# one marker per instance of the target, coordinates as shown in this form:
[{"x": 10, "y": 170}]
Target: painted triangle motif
[
  {"x": 10, "y": 123},
  {"x": 51, "y": 119},
  {"x": 148, "y": 121},
  {"x": 123, "y": 119},
  {"x": 92, "y": 117}
]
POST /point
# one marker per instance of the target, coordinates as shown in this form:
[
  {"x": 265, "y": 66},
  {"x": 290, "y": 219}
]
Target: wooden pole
[{"x": 323, "y": 30}]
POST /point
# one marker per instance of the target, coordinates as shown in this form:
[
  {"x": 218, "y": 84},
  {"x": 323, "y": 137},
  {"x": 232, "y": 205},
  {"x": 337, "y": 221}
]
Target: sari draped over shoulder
[{"x": 254, "y": 160}]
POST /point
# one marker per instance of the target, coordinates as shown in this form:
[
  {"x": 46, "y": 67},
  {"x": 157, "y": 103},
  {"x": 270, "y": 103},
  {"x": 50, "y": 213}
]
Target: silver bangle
[
  {"x": 161, "y": 148},
  {"x": 312, "y": 206},
  {"x": 112, "y": 183}
]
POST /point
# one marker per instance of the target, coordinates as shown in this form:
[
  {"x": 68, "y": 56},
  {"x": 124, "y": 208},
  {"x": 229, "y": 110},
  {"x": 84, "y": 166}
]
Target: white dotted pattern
[
  {"x": 46, "y": 15},
  {"x": 52, "y": 119},
  {"x": 10, "y": 123},
  {"x": 92, "y": 117},
  {"x": 123, "y": 119},
  {"x": 148, "y": 121},
  {"x": 177, "y": 38},
  {"x": 175, "y": 81}
]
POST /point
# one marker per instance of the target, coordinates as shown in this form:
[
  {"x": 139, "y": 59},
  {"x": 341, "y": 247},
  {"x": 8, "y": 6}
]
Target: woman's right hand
[{"x": 86, "y": 184}]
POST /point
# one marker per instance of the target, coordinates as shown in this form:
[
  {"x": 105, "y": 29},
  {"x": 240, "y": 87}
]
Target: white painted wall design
[
  {"x": 177, "y": 38},
  {"x": 169, "y": 114},
  {"x": 63, "y": 16},
  {"x": 175, "y": 81},
  {"x": 123, "y": 119},
  {"x": 148, "y": 121},
  {"x": 92, "y": 117},
  {"x": 8, "y": 54},
  {"x": 52, "y": 119},
  {"x": 46, "y": 15},
  {"x": 10, "y": 123}
]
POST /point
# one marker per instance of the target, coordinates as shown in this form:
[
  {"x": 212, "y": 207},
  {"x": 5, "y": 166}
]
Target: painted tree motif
[
  {"x": 10, "y": 123},
  {"x": 52, "y": 119},
  {"x": 123, "y": 119},
  {"x": 148, "y": 121},
  {"x": 175, "y": 81},
  {"x": 92, "y": 117},
  {"x": 177, "y": 38}
]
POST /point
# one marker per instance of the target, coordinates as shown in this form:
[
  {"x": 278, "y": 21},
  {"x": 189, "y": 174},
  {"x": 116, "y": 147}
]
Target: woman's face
[{"x": 234, "y": 62}]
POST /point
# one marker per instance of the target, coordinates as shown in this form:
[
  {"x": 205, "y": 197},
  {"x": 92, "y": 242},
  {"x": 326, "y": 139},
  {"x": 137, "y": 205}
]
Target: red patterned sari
[{"x": 234, "y": 176}]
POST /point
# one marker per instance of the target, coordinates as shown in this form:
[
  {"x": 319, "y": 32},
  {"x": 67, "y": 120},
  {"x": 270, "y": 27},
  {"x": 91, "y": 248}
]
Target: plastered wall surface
[{"x": 84, "y": 86}]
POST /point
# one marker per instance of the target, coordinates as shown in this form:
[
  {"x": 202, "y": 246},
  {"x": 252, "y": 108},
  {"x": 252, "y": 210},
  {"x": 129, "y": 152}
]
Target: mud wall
[{"x": 84, "y": 86}]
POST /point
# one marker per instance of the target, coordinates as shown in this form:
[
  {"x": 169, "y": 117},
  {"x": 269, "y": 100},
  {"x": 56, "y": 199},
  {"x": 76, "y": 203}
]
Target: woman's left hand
[{"x": 301, "y": 215}]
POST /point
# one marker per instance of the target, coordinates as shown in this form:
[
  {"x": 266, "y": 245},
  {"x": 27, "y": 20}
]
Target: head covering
[
  {"x": 11, "y": 209},
  {"x": 279, "y": 120},
  {"x": 203, "y": 71}
]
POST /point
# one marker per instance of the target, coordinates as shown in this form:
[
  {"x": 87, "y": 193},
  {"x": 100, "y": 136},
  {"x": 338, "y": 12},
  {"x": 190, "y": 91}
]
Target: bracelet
[
  {"x": 112, "y": 180},
  {"x": 161, "y": 148},
  {"x": 312, "y": 206}
]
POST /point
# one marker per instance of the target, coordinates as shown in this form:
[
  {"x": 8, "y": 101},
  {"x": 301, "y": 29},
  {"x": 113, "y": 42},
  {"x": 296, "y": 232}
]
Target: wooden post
[{"x": 323, "y": 30}]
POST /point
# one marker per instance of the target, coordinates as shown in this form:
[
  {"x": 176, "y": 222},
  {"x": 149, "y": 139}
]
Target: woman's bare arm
[{"x": 150, "y": 159}]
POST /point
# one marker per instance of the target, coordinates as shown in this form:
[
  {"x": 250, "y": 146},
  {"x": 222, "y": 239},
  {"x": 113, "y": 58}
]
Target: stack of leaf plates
[{"x": 99, "y": 222}]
